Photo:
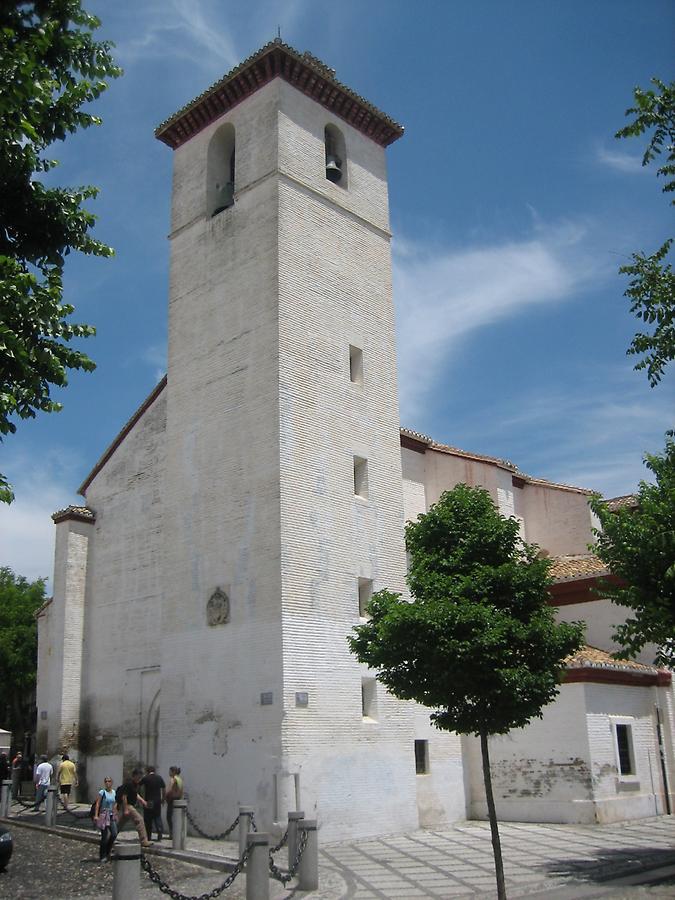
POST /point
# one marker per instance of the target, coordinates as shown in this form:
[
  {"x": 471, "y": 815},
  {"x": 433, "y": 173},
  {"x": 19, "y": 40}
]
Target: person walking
[
  {"x": 173, "y": 792},
  {"x": 126, "y": 806},
  {"x": 42, "y": 780},
  {"x": 17, "y": 766},
  {"x": 106, "y": 819},
  {"x": 66, "y": 777},
  {"x": 153, "y": 788}
]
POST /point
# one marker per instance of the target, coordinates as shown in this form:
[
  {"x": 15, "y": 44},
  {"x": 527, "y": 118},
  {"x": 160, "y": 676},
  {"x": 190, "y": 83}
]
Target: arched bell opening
[
  {"x": 336, "y": 156},
  {"x": 220, "y": 168}
]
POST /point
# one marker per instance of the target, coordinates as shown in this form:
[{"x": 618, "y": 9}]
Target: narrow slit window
[
  {"x": 336, "y": 155},
  {"x": 221, "y": 170},
  {"x": 361, "y": 477},
  {"x": 369, "y": 699},
  {"x": 421, "y": 757},
  {"x": 624, "y": 749},
  {"x": 355, "y": 365},
  {"x": 365, "y": 593}
]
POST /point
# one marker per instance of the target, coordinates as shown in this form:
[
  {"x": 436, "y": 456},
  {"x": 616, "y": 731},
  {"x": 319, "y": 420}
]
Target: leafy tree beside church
[
  {"x": 478, "y": 644},
  {"x": 50, "y": 68},
  {"x": 19, "y": 601}
]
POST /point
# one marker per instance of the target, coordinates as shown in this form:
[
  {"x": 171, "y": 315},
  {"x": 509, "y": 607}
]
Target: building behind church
[{"x": 233, "y": 532}]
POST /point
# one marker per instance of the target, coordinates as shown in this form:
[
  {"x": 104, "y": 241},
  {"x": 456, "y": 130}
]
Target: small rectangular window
[
  {"x": 365, "y": 593},
  {"x": 624, "y": 749},
  {"x": 421, "y": 757},
  {"x": 355, "y": 365},
  {"x": 361, "y": 477},
  {"x": 369, "y": 699}
]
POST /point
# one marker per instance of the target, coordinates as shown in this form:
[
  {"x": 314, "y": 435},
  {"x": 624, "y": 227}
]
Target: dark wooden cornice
[{"x": 304, "y": 71}]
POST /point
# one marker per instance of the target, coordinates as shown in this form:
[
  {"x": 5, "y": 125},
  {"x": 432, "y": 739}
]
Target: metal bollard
[
  {"x": 5, "y": 790},
  {"x": 126, "y": 871},
  {"x": 245, "y": 815},
  {"x": 179, "y": 826},
  {"x": 50, "y": 806},
  {"x": 294, "y": 819},
  {"x": 308, "y": 870},
  {"x": 257, "y": 866}
]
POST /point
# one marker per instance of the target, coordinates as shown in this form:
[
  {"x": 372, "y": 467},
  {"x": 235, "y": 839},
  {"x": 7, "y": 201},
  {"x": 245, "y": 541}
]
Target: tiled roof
[
  {"x": 83, "y": 513},
  {"x": 304, "y": 71},
  {"x": 492, "y": 460},
  {"x": 566, "y": 568},
  {"x": 628, "y": 501},
  {"x": 594, "y": 658}
]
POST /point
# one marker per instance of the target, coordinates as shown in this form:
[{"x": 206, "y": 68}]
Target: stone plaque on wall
[{"x": 218, "y": 608}]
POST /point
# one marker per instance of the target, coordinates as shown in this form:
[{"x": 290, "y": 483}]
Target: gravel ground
[{"x": 49, "y": 866}]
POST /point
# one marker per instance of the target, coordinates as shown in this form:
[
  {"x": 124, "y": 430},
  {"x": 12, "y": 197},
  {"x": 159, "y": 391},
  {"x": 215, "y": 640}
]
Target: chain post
[
  {"x": 50, "y": 806},
  {"x": 179, "y": 826},
  {"x": 245, "y": 817},
  {"x": 257, "y": 873},
  {"x": 308, "y": 870},
  {"x": 294, "y": 821},
  {"x": 5, "y": 791},
  {"x": 126, "y": 870}
]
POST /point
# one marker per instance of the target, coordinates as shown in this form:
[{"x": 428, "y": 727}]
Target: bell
[
  {"x": 333, "y": 168},
  {"x": 224, "y": 197}
]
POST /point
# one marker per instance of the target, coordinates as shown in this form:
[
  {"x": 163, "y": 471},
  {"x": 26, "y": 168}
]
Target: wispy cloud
[
  {"x": 443, "y": 293},
  {"x": 26, "y": 528},
  {"x": 592, "y": 432},
  {"x": 155, "y": 356},
  {"x": 619, "y": 160}
]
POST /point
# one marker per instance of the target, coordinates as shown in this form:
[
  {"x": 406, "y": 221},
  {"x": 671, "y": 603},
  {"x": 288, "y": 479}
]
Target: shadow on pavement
[{"x": 608, "y": 864}]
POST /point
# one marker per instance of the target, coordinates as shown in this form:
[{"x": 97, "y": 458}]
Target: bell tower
[{"x": 283, "y": 490}]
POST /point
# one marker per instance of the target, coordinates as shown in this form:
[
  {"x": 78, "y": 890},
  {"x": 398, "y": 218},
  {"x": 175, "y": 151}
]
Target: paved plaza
[{"x": 559, "y": 862}]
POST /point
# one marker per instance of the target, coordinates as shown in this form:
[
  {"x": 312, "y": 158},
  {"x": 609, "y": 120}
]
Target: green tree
[
  {"x": 638, "y": 546},
  {"x": 479, "y": 643},
  {"x": 50, "y": 67},
  {"x": 19, "y": 601},
  {"x": 651, "y": 290}
]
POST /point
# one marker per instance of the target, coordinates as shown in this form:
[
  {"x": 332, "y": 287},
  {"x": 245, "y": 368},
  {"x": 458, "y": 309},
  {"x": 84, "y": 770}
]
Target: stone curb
[{"x": 194, "y": 857}]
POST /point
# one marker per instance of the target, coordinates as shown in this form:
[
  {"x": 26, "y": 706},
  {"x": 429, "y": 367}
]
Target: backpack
[
  {"x": 92, "y": 808},
  {"x": 119, "y": 794}
]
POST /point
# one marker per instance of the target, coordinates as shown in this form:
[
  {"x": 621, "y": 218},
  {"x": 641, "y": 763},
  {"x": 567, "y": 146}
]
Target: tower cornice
[{"x": 302, "y": 70}]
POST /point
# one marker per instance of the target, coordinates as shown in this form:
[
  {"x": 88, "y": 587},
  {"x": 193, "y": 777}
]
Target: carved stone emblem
[{"x": 218, "y": 608}]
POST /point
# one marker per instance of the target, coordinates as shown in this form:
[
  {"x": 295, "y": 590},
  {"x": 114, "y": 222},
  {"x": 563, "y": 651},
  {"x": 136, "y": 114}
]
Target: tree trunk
[{"x": 492, "y": 815}]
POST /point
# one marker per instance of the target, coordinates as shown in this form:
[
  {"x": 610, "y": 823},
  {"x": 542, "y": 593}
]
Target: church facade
[{"x": 235, "y": 529}]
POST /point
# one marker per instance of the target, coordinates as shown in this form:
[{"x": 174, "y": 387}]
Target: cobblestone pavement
[{"x": 559, "y": 862}]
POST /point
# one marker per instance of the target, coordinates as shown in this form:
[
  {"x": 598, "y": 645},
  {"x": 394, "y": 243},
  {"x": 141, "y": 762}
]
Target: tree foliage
[
  {"x": 651, "y": 289},
  {"x": 19, "y": 601},
  {"x": 50, "y": 68},
  {"x": 638, "y": 546},
  {"x": 479, "y": 643}
]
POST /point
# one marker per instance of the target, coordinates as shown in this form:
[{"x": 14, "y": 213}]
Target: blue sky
[{"x": 512, "y": 207}]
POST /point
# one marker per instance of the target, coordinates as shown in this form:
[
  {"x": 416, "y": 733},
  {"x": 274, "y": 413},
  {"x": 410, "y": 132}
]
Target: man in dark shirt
[
  {"x": 126, "y": 808},
  {"x": 153, "y": 789}
]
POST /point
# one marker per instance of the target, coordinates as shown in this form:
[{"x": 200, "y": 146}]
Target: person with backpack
[
  {"x": 105, "y": 817},
  {"x": 126, "y": 798}
]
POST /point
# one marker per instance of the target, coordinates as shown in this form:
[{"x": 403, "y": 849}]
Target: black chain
[
  {"x": 211, "y": 837},
  {"x": 156, "y": 878},
  {"x": 281, "y": 843},
  {"x": 285, "y": 877},
  {"x": 254, "y": 827},
  {"x": 25, "y": 805}
]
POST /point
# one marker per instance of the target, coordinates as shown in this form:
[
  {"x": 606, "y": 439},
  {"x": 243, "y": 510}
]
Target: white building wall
[
  {"x": 556, "y": 519},
  {"x": 222, "y": 485},
  {"x": 541, "y": 773}
]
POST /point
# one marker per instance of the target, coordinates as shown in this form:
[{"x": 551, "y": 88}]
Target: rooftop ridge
[{"x": 303, "y": 70}]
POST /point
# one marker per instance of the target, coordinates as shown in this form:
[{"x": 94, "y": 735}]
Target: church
[{"x": 233, "y": 532}]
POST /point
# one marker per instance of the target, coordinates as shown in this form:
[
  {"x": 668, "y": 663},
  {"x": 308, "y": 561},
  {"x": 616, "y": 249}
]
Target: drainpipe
[{"x": 662, "y": 756}]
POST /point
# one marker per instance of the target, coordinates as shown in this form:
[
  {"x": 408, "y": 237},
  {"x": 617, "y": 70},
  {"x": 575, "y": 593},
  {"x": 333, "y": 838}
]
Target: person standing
[
  {"x": 126, "y": 806},
  {"x": 66, "y": 776},
  {"x": 153, "y": 788},
  {"x": 42, "y": 780},
  {"x": 106, "y": 819},
  {"x": 173, "y": 792},
  {"x": 17, "y": 766}
]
